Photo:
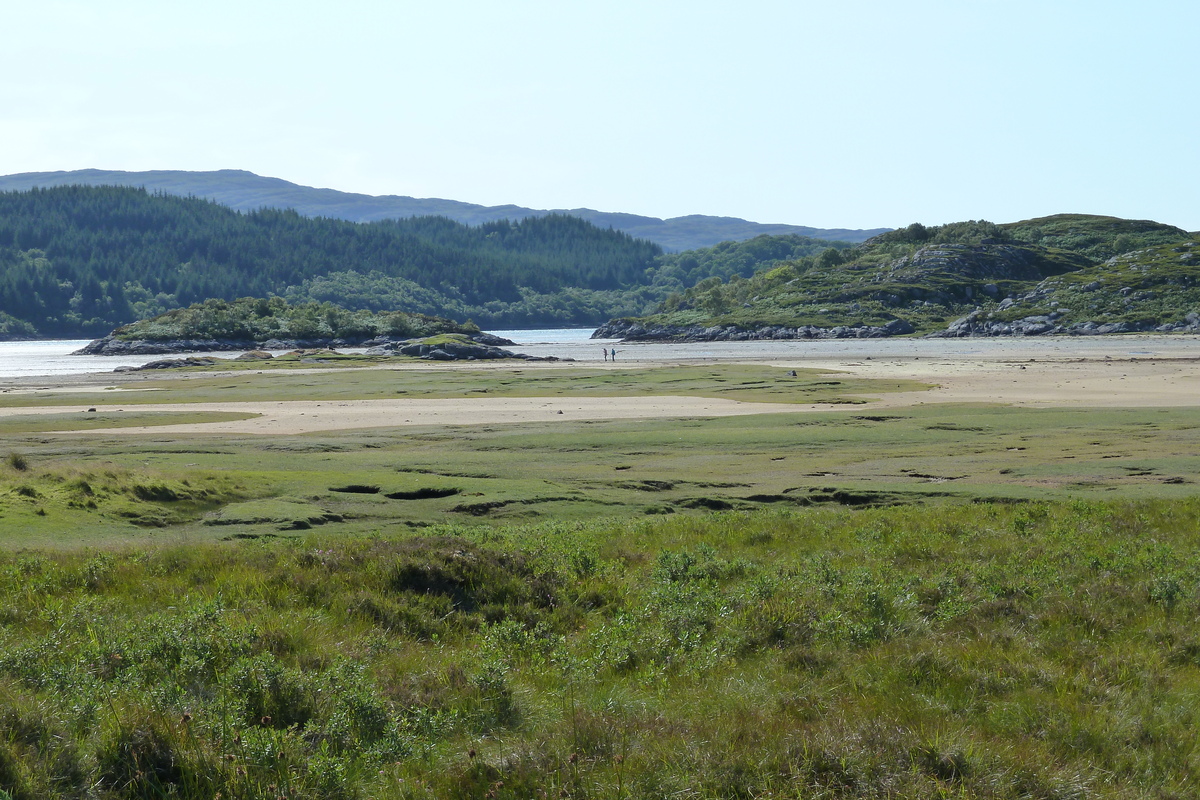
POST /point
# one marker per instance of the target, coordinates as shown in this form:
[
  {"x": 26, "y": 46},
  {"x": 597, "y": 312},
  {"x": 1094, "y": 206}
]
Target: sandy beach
[{"x": 1027, "y": 374}]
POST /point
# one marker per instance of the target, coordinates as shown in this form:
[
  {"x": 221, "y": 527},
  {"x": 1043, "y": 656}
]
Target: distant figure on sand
[
  {"x": 606, "y": 354},
  {"x": 614, "y": 354}
]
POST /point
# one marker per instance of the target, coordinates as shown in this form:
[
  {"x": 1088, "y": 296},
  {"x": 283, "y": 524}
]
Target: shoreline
[{"x": 1027, "y": 377}]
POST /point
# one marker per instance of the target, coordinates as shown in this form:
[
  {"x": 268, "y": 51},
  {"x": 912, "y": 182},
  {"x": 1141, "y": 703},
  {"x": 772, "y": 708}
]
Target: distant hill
[
  {"x": 1069, "y": 273},
  {"x": 246, "y": 191},
  {"x": 82, "y": 260}
]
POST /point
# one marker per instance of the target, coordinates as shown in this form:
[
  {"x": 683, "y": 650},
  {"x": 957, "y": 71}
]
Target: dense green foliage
[
  {"x": 245, "y": 191},
  {"x": 257, "y": 320},
  {"x": 86, "y": 259},
  {"x": 927, "y": 276},
  {"x": 1043, "y": 650},
  {"x": 1098, "y": 238},
  {"x": 678, "y": 271},
  {"x": 1153, "y": 285}
]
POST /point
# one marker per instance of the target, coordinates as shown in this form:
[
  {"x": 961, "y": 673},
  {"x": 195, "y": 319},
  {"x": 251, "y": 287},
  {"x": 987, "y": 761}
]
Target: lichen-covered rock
[{"x": 632, "y": 331}]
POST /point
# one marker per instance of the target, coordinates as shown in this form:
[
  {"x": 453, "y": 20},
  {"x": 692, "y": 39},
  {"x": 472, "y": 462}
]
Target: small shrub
[
  {"x": 475, "y": 579},
  {"x": 140, "y": 762},
  {"x": 17, "y": 461}
]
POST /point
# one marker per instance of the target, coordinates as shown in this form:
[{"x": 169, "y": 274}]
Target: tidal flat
[{"x": 871, "y": 595}]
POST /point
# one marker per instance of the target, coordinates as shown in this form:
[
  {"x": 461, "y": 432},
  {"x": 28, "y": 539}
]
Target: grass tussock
[
  {"x": 995, "y": 651},
  {"x": 96, "y": 494}
]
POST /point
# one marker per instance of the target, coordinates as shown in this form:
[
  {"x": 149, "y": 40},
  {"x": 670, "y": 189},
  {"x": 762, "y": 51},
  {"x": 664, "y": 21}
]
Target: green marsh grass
[
  {"x": 737, "y": 382},
  {"x": 1001, "y": 651},
  {"x": 501, "y": 474}
]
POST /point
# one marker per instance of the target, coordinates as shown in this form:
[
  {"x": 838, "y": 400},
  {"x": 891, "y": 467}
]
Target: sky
[{"x": 845, "y": 113}]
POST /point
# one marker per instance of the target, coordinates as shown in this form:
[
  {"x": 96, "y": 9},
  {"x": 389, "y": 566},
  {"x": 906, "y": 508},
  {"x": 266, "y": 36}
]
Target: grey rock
[{"x": 629, "y": 330}]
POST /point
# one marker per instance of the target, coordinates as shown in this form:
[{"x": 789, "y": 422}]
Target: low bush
[{"x": 998, "y": 651}]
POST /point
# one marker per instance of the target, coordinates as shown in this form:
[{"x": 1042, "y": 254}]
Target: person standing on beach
[{"x": 606, "y": 354}]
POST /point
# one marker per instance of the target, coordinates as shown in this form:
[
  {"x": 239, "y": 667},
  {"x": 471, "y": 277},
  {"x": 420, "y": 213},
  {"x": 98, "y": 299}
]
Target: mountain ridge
[{"x": 246, "y": 191}]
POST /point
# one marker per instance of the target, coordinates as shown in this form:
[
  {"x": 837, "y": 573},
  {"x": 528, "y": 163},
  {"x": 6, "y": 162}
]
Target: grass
[
  {"x": 938, "y": 601},
  {"x": 999, "y": 651},
  {"x": 71, "y": 502},
  {"x": 579, "y": 470},
  {"x": 738, "y": 382}
]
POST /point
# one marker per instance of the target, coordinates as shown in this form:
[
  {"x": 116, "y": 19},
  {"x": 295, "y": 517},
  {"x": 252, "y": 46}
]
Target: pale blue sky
[{"x": 833, "y": 114}]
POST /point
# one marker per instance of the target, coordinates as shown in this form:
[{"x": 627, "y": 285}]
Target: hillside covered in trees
[
  {"x": 245, "y": 191},
  {"x": 1068, "y": 273},
  {"x": 80, "y": 261}
]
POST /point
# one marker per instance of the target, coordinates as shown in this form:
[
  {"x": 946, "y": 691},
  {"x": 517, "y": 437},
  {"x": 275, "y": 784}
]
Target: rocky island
[{"x": 259, "y": 325}]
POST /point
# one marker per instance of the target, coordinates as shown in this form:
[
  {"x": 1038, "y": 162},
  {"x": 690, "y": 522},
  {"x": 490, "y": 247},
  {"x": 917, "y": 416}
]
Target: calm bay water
[{"x": 53, "y": 358}]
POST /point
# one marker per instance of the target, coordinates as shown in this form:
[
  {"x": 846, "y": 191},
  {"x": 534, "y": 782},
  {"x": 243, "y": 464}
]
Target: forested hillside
[
  {"x": 245, "y": 191},
  {"x": 79, "y": 261}
]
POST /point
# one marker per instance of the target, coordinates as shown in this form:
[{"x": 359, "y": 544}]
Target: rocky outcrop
[
  {"x": 457, "y": 351},
  {"x": 174, "y": 363},
  {"x": 447, "y": 351},
  {"x": 979, "y": 323},
  {"x": 112, "y": 346},
  {"x": 982, "y": 263},
  {"x": 441, "y": 351},
  {"x": 634, "y": 331}
]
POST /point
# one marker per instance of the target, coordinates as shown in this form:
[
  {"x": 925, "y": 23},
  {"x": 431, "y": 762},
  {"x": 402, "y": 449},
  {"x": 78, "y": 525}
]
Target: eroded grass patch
[
  {"x": 621, "y": 469},
  {"x": 62, "y": 503}
]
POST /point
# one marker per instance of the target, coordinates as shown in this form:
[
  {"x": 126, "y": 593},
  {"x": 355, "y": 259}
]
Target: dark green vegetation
[
  {"x": 931, "y": 276},
  {"x": 81, "y": 260},
  {"x": 245, "y": 191},
  {"x": 677, "y": 271},
  {"x": 258, "y": 320},
  {"x": 1149, "y": 286},
  {"x": 1045, "y": 650},
  {"x": 1097, "y": 238}
]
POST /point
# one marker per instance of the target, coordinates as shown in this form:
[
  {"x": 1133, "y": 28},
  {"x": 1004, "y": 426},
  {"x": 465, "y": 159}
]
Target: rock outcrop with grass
[
  {"x": 273, "y": 324},
  {"x": 1071, "y": 274}
]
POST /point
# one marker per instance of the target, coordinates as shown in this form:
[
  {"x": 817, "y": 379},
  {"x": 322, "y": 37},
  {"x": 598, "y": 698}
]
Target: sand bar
[
  {"x": 303, "y": 416},
  {"x": 1127, "y": 372}
]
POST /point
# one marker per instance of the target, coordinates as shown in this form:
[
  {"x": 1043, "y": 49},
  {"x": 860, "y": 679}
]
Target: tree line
[{"x": 81, "y": 260}]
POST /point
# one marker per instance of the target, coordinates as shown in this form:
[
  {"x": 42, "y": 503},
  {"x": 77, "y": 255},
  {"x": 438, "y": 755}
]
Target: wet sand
[{"x": 300, "y": 416}]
